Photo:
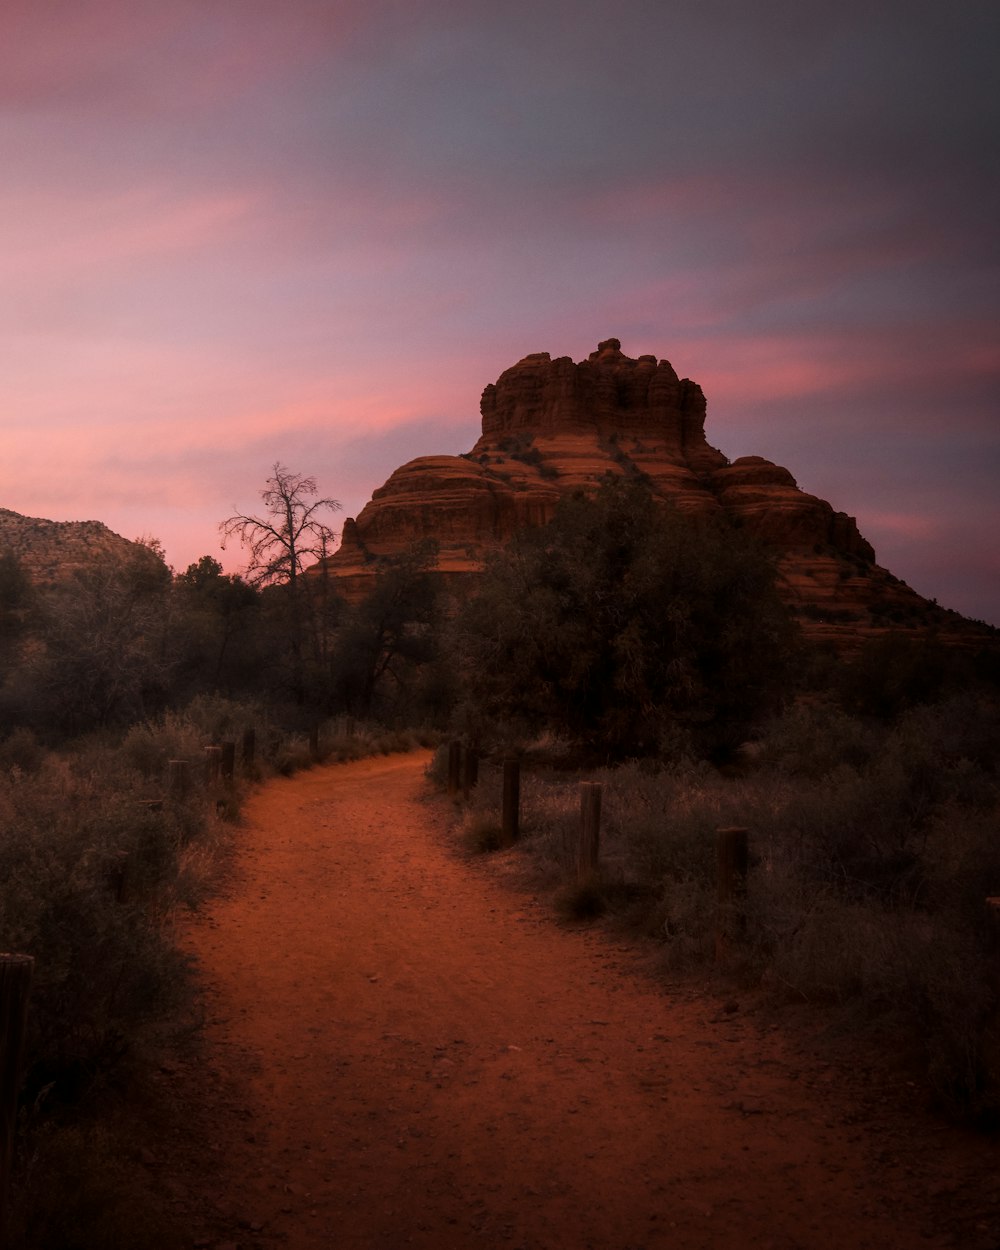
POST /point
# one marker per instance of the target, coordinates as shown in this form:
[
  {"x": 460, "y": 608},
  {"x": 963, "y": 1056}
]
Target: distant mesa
[
  {"x": 554, "y": 426},
  {"x": 51, "y": 551}
]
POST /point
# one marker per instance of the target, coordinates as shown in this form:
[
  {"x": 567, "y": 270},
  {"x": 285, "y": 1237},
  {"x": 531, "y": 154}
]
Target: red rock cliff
[{"x": 554, "y": 426}]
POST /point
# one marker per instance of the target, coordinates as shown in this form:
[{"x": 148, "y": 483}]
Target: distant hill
[
  {"x": 51, "y": 551},
  {"x": 550, "y": 427}
]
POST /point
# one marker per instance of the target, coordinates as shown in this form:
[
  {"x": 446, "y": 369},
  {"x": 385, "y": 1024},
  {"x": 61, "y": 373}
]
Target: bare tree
[{"x": 279, "y": 543}]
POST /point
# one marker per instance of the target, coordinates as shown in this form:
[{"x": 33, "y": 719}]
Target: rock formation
[
  {"x": 52, "y": 550},
  {"x": 555, "y": 426}
]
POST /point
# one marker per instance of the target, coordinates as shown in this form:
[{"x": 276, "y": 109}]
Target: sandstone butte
[{"x": 555, "y": 426}]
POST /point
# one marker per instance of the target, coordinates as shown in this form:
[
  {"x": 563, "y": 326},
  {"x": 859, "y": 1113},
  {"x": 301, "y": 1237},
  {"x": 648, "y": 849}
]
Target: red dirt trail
[{"x": 404, "y": 1049}]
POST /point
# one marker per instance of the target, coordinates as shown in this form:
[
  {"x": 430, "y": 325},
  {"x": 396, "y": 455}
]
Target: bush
[
  {"x": 104, "y": 1198},
  {"x": 622, "y": 626},
  {"x": 94, "y": 857},
  {"x": 873, "y": 849},
  {"x": 84, "y": 870}
]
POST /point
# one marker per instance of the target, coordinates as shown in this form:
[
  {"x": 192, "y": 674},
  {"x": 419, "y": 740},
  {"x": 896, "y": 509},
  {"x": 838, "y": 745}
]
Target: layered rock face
[
  {"x": 554, "y": 426},
  {"x": 52, "y": 550}
]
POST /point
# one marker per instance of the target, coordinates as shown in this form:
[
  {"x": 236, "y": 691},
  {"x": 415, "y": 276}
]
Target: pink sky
[{"x": 235, "y": 233}]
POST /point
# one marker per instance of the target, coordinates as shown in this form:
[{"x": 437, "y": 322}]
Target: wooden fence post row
[
  {"x": 510, "y": 822},
  {"x": 733, "y": 858},
  {"x": 15, "y": 985},
  {"x": 589, "y": 850}
]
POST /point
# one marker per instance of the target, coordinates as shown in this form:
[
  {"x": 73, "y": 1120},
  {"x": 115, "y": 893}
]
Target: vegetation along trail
[{"x": 405, "y": 1050}]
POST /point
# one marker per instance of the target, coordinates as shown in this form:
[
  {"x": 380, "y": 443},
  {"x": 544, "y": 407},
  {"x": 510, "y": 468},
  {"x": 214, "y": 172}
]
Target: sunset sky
[{"x": 240, "y": 231}]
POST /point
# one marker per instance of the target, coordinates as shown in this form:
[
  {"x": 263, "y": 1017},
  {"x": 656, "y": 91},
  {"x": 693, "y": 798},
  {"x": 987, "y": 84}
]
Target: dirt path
[{"x": 407, "y": 1052}]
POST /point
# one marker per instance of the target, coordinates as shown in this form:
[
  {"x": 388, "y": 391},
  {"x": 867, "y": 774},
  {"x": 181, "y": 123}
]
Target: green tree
[{"x": 621, "y": 624}]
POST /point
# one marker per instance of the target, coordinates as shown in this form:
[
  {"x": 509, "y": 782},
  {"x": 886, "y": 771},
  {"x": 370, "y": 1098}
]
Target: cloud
[
  {"x": 231, "y": 233},
  {"x": 105, "y": 230}
]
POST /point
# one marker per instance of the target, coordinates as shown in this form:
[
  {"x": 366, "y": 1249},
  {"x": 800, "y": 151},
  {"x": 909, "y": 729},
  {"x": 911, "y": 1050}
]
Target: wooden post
[
  {"x": 454, "y": 766},
  {"x": 590, "y": 830},
  {"x": 213, "y": 763},
  {"x": 993, "y": 921},
  {"x": 470, "y": 769},
  {"x": 178, "y": 778},
  {"x": 511, "y": 812},
  {"x": 118, "y": 876},
  {"x": 733, "y": 858},
  {"x": 15, "y": 985},
  {"x": 228, "y": 762},
  {"x": 249, "y": 748}
]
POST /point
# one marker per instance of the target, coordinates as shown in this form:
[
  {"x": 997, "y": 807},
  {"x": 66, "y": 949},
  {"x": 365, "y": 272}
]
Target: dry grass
[{"x": 873, "y": 849}]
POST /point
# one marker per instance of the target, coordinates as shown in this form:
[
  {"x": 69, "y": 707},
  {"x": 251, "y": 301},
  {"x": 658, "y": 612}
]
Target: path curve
[{"x": 406, "y": 1052}]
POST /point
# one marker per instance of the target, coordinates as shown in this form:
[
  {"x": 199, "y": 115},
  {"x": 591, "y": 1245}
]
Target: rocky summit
[{"x": 555, "y": 426}]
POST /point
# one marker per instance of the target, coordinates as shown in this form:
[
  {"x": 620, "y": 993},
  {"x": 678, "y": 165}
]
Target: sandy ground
[{"x": 404, "y": 1049}]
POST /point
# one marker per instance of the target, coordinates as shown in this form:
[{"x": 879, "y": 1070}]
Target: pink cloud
[
  {"x": 738, "y": 367},
  {"x": 907, "y": 525},
  {"x": 43, "y": 241},
  {"x": 177, "y": 56}
]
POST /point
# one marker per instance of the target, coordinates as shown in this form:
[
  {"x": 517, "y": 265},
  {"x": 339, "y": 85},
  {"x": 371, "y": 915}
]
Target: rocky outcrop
[
  {"x": 50, "y": 551},
  {"x": 554, "y": 426}
]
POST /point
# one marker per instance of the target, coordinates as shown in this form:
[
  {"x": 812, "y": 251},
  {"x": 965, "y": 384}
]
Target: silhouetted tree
[
  {"x": 17, "y": 602},
  {"x": 391, "y": 635},
  {"x": 16, "y": 595},
  {"x": 279, "y": 543},
  {"x": 216, "y": 624},
  {"x": 103, "y": 653},
  {"x": 621, "y": 623}
]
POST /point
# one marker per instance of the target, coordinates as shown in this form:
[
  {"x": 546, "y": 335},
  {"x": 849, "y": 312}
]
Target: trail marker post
[
  {"x": 470, "y": 769},
  {"x": 15, "y": 986},
  {"x": 178, "y": 779},
  {"x": 213, "y": 764},
  {"x": 454, "y": 766},
  {"x": 589, "y": 849},
  {"x": 511, "y": 810},
  {"x": 733, "y": 859}
]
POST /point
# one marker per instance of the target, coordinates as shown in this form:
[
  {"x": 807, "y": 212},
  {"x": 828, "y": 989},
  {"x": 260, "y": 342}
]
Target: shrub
[
  {"x": 619, "y": 622},
  {"x": 104, "y": 1197},
  {"x": 873, "y": 848},
  {"x": 482, "y": 830},
  {"x": 21, "y": 750},
  {"x": 83, "y": 869}
]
